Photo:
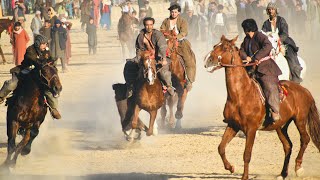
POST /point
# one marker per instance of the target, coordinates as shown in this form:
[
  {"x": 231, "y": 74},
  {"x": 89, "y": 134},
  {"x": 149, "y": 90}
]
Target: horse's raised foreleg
[
  {"x": 2, "y": 55},
  {"x": 34, "y": 131},
  {"x": 163, "y": 113},
  {"x": 180, "y": 107},
  {"x": 304, "y": 141},
  {"x": 19, "y": 147},
  {"x": 250, "y": 136},
  {"x": 135, "y": 117},
  {"x": 287, "y": 146},
  {"x": 228, "y": 135},
  {"x": 12, "y": 129},
  {"x": 153, "y": 115}
]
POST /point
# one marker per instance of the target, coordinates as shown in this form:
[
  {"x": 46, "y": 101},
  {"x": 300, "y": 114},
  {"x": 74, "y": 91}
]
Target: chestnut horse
[
  {"x": 245, "y": 111},
  {"x": 5, "y": 25},
  {"x": 178, "y": 82},
  {"x": 125, "y": 33},
  {"x": 27, "y": 109},
  {"x": 148, "y": 95}
]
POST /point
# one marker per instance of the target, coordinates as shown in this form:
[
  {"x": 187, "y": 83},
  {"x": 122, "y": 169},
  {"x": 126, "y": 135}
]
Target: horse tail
[{"x": 314, "y": 125}]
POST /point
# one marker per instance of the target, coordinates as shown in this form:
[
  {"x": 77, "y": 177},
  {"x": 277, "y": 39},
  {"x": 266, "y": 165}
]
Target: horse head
[
  {"x": 6, "y": 25},
  {"x": 172, "y": 43},
  {"x": 222, "y": 54},
  {"x": 50, "y": 79},
  {"x": 149, "y": 66},
  {"x": 274, "y": 38}
]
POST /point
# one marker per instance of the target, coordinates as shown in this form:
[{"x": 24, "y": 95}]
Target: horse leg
[
  {"x": 123, "y": 51},
  {"x": 18, "y": 150},
  {"x": 304, "y": 141},
  {"x": 228, "y": 135},
  {"x": 180, "y": 107},
  {"x": 2, "y": 55},
  {"x": 172, "y": 100},
  {"x": 135, "y": 117},
  {"x": 250, "y": 136},
  {"x": 153, "y": 115},
  {"x": 163, "y": 113},
  {"x": 287, "y": 146},
  {"x": 12, "y": 129},
  {"x": 34, "y": 131}
]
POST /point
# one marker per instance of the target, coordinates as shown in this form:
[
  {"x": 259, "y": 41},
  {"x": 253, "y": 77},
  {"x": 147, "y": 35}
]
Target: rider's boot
[
  {"x": 7, "y": 87},
  {"x": 55, "y": 113}
]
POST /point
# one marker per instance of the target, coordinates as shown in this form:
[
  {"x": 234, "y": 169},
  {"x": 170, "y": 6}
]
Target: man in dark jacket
[
  {"x": 154, "y": 41},
  {"x": 257, "y": 47},
  {"x": 279, "y": 22},
  {"x": 35, "y": 56}
]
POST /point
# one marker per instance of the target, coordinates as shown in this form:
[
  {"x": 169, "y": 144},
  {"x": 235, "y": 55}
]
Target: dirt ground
[{"x": 87, "y": 144}]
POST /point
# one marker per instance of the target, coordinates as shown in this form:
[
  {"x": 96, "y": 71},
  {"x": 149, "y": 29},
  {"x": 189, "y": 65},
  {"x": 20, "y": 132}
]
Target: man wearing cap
[
  {"x": 175, "y": 22},
  {"x": 277, "y": 22},
  {"x": 36, "y": 24},
  {"x": 35, "y": 55},
  {"x": 152, "y": 40}
]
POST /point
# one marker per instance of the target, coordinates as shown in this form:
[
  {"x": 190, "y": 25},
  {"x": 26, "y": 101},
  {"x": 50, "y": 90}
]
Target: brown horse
[
  {"x": 148, "y": 95},
  {"x": 5, "y": 25},
  {"x": 27, "y": 109},
  {"x": 178, "y": 81},
  {"x": 245, "y": 111},
  {"x": 125, "y": 33}
]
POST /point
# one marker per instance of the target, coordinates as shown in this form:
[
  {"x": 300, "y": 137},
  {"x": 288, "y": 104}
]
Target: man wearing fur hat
[
  {"x": 177, "y": 23},
  {"x": 277, "y": 22}
]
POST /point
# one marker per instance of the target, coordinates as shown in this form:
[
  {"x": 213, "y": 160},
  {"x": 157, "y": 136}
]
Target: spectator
[
  {"x": 219, "y": 25},
  {"x": 92, "y": 37},
  {"x": 58, "y": 43},
  {"x": 62, "y": 12},
  {"x": 143, "y": 14},
  {"x": 36, "y": 24},
  {"x": 67, "y": 25},
  {"x": 185, "y": 5},
  {"x": 192, "y": 21},
  {"x": 201, "y": 11},
  {"x": 46, "y": 31},
  {"x": 19, "y": 12},
  {"x": 301, "y": 18},
  {"x": 148, "y": 9},
  {"x": 96, "y": 12},
  {"x": 19, "y": 41},
  {"x": 69, "y": 8},
  {"x": 52, "y": 16},
  {"x": 76, "y": 8},
  {"x": 106, "y": 14},
  {"x": 85, "y": 13}
]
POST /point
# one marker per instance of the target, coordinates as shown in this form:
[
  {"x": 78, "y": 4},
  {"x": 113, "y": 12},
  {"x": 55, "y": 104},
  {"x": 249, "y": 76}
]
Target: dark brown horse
[
  {"x": 27, "y": 108},
  {"x": 5, "y": 25},
  {"x": 178, "y": 81},
  {"x": 245, "y": 111},
  {"x": 148, "y": 95},
  {"x": 125, "y": 33}
]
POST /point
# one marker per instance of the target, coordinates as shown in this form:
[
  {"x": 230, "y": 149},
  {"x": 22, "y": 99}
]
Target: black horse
[{"x": 27, "y": 108}]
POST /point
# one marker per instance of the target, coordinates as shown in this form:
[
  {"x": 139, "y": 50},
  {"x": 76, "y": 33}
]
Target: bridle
[
  {"x": 231, "y": 51},
  {"x": 48, "y": 84},
  {"x": 149, "y": 70}
]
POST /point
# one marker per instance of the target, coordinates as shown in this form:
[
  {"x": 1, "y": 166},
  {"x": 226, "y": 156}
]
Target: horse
[
  {"x": 178, "y": 82},
  {"x": 125, "y": 33},
  {"x": 5, "y": 25},
  {"x": 244, "y": 110},
  {"x": 278, "y": 52},
  {"x": 27, "y": 108},
  {"x": 148, "y": 95}
]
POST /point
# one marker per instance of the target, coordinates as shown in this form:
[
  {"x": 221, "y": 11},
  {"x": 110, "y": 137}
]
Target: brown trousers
[
  {"x": 270, "y": 89},
  {"x": 184, "y": 50}
]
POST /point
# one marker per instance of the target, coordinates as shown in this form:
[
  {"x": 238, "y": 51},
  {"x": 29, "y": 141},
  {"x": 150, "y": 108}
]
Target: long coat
[
  {"x": 58, "y": 42},
  {"x": 20, "y": 40},
  {"x": 260, "y": 48}
]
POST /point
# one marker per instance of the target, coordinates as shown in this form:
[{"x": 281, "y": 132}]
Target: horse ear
[
  {"x": 233, "y": 41},
  {"x": 223, "y": 38}
]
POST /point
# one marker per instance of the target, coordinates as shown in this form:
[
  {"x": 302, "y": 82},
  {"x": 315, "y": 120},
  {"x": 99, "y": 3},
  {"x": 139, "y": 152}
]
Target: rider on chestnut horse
[
  {"x": 277, "y": 22},
  {"x": 257, "y": 47},
  {"x": 35, "y": 56},
  {"x": 175, "y": 22},
  {"x": 154, "y": 41}
]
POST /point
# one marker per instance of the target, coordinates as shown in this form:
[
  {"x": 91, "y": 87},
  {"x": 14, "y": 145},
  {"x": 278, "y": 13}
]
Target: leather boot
[{"x": 55, "y": 113}]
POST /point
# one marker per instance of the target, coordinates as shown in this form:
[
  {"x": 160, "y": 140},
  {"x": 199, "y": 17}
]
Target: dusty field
[{"x": 87, "y": 143}]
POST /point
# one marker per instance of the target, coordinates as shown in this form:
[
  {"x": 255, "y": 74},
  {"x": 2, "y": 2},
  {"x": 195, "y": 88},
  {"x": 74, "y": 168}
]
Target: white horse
[{"x": 278, "y": 53}]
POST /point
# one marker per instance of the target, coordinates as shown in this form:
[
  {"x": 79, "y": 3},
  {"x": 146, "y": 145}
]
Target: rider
[
  {"x": 184, "y": 48},
  {"x": 279, "y": 22},
  {"x": 35, "y": 55},
  {"x": 256, "y": 48},
  {"x": 154, "y": 41}
]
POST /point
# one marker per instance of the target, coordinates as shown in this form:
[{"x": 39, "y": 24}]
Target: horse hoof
[
  {"x": 232, "y": 169},
  {"x": 149, "y": 133},
  {"x": 300, "y": 172},
  {"x": 280, "y": 178},
  {"x": 155, "y": 131},
  {"x": 179, "y": 115},
  {"x": 178, "y": 124},
  {"x": 25, "y": 151}
]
